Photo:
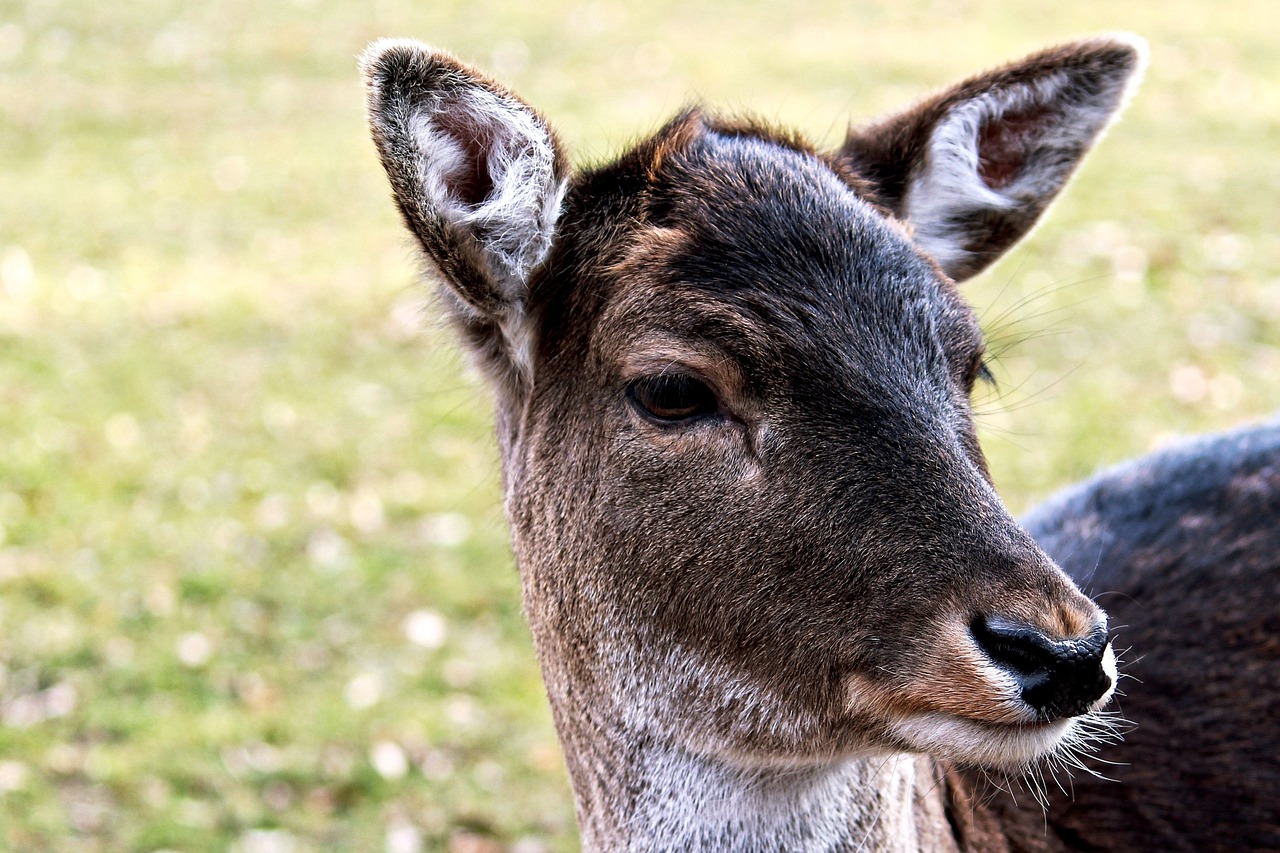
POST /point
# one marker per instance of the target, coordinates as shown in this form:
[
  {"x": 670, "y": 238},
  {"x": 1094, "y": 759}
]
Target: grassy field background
[{"x": 255, "y": 593}]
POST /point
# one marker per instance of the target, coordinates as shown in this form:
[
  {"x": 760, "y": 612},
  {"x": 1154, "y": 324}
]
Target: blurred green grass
[{"x": 255, "y": 592}]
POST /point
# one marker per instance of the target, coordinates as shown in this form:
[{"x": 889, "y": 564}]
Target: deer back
[{"x": 1183, "y": 548}]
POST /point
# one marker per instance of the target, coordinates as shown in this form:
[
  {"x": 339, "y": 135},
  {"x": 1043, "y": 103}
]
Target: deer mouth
[
  {"x": 974, "y": 707},
  {"x": 997, "y": 727}
]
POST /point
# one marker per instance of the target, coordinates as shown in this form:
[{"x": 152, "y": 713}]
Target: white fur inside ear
[{"x": 515, "y": 221}]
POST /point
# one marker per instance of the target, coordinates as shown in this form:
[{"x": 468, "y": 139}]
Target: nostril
[
  {"x": 1017, "y": 647},
  {"x": 1059, "y": 678}
]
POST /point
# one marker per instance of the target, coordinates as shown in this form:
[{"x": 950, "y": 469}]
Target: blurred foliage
[{"x": 255, "y": 593}]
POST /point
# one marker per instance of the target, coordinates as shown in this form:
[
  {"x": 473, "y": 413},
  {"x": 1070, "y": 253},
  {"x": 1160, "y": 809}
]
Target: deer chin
[{"x": 976, "y": 742}]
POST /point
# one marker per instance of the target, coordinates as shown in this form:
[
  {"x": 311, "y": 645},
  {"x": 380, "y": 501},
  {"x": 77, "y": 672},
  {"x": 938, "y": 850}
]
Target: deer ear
[
  {"x": 973, "y": 168},
  {"x": 477, "y": 173}
]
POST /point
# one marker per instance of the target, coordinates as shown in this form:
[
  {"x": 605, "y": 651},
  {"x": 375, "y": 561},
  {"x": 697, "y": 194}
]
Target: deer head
[{"x": 732, "y": 379}]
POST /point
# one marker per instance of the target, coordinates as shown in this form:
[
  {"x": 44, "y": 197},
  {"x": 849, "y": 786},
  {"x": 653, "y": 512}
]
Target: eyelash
[{"x": 984, "y": 373}]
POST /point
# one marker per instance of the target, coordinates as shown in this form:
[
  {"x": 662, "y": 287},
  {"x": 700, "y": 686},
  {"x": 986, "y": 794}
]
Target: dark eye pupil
[{"x": 674, "y": 397}]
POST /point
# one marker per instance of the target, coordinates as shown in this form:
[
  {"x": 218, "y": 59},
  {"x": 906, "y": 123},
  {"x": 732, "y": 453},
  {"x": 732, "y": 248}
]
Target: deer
[{"x": 775, "y": 598}]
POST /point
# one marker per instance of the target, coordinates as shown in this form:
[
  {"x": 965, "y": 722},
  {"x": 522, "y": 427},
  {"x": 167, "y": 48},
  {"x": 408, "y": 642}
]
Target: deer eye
[{"x": 673, "y": 397}]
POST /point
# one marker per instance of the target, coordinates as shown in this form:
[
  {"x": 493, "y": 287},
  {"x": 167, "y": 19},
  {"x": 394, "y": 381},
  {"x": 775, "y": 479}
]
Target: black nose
[{"x": 1059, "y": 678}]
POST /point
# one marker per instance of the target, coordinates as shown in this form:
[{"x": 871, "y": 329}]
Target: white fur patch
[
  {"x": 693, "y": 803},
  {"x": 1110, "y": 669}
]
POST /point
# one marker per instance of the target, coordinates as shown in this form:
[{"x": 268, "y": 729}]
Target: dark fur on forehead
[
  {"x": 694, "y": 123},
  {"x": 699, "y": 170},
  {"x": 759, "y": 221},
  {"x": 752, "y": 197},
  {"x": 639, "y": 169}
]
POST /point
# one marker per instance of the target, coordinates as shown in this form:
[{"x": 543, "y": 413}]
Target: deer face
[{"x": 746, "y": 497}]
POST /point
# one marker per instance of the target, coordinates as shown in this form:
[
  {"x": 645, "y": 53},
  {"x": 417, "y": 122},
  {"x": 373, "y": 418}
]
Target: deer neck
[{"x": 639, "y": 791}]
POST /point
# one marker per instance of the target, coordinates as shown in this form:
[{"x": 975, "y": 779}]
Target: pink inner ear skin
[
  {"x": 472, "y": 183},
  {"x": 1003, "y": 145}
]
